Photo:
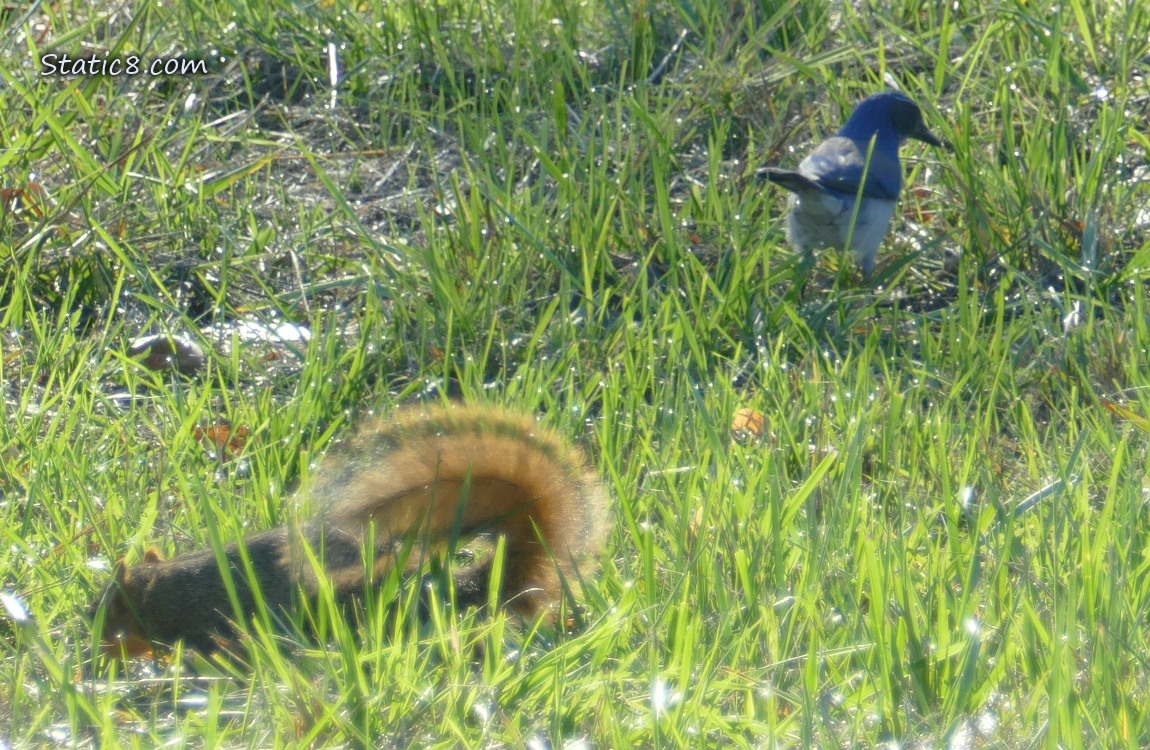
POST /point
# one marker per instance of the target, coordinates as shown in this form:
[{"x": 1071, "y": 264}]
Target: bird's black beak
[{"x": 922, "y": 134}]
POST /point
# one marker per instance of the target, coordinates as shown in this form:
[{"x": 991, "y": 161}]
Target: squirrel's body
[{"x": 425, "y": 475}]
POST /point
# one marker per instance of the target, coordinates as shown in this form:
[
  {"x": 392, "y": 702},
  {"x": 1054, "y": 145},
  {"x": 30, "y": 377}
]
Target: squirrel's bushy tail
[{"x": 437, "y": 472}]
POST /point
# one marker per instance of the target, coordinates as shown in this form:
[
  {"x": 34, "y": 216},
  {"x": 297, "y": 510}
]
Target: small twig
[{"x": 660, "y": 69}]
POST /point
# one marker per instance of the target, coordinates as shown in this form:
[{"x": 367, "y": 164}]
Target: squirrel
[{"x": 423, "y": 475}]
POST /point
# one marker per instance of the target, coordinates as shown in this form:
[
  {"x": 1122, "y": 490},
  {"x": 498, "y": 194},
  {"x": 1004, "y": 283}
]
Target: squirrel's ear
[
  {"x": 152, "y": 555},
  {"x": 120, "y": 570}
]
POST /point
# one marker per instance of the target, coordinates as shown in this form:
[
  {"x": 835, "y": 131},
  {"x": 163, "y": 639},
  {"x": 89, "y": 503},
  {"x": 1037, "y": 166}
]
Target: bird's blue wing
[{"x": 839, "y": 164}]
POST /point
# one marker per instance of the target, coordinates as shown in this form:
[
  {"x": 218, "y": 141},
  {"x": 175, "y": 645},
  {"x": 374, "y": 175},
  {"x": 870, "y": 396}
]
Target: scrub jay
[{"x": 858, "y": 162}]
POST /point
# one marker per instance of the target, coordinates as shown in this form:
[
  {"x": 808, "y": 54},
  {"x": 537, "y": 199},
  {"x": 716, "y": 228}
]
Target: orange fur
[{"x": 422, "y": 475}]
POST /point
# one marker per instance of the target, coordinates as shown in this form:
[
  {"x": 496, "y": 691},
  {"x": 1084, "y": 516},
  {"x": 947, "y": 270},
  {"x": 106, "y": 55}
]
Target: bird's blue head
[{"x": 890, "y": 115}]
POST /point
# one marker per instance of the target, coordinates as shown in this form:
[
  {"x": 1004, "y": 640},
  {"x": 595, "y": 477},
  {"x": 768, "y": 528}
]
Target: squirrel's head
[{"x": 124, "y": 633}]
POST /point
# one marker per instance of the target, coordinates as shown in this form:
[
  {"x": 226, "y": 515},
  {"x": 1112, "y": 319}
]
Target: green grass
[{"x": 552, "y": 205}]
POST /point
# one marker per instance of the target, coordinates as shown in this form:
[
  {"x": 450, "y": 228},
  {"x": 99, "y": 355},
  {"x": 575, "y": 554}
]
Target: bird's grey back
[{"x": 841, "y": 164}]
